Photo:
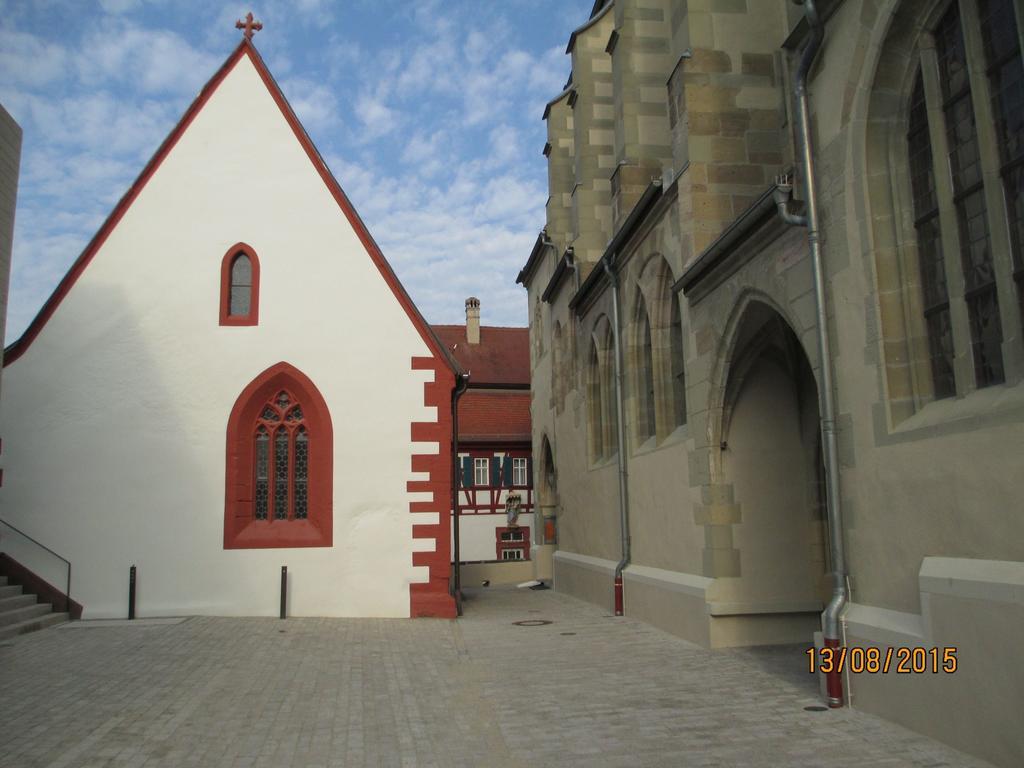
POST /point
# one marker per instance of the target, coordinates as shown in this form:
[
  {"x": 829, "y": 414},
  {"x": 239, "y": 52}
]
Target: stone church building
[
  {"x": 682, "y": 374},
  {"x": 192, "y": 399}
]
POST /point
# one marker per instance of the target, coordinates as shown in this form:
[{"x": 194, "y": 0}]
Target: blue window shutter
[
  {"x": 496, "y": 472},
  {"x": 508, "y": 471},
  {"x": 467, "y": 471},
  {"x": 529, "y": 473}
]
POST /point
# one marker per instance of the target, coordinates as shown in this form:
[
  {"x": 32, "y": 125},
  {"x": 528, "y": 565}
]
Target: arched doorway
[
  {"x": 547, "y": 523},
  {"x": 771, "y": 458}
]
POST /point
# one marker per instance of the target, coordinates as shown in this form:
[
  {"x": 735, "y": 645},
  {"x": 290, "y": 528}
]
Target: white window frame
[
  {"x": 516, "y": 555},
  {"x": 481, "y": 468},
  {"x": 520, "y": 479}
]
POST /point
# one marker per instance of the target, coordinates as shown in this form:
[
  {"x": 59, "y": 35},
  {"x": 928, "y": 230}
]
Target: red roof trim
[
  {"x": 245, "y": 47},
  {"x": 17, "y": 348}
]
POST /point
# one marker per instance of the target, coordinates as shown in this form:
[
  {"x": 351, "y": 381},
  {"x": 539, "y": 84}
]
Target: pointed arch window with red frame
[
  {"x": 281, "y": 481},
  {"x": 240, "y": 286},
  {"x": 279, "y": 464}
]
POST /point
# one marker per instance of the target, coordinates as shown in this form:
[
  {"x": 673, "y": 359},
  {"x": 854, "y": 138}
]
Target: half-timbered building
[{"x": 495, "y": 465}]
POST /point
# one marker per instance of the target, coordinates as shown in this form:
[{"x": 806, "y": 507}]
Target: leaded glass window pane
[
  {"x": 922, "y": 169},
  {"x": 241, "y": 286},
  {"x": 241, "y": 270},
  {"x": 969, "y": 199},
  {"x": 262, "y": 490},
  {"x": 999, "y": 32},
  {"x": 301, "y": 472},
  {"x": 1013, "y": 185},
  {"x": 678, "y": 371},
  {"x": 281, "y": 475},
  {"x": 1006, "y": 75},
  {"x": 929, "y": 246},
  {"x": 940, "y": 348},
  {"x": 594, "y": 406},
  {"x": 986, "y": 337},
  {"x": 645, "y": 373},
  {"x": 240, "y": 300},
  {"x": 608, "y": 400}
]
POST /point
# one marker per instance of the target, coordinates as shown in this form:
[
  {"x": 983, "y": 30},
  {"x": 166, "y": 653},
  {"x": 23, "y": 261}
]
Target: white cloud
[
  {"x": 432, "y": 127},
  {"x": 378, "y": 118},
  {"x": 154, "y": 61},
  {"x": 505, "y": 144},
  {"x": 120, "y": 6},
  {"x": 315, "y": 105},
  {"x": 26, "y": 60}
]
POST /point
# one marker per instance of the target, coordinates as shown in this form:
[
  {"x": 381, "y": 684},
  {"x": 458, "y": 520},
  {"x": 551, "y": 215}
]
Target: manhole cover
[
  {"x": 815, "y": 708},
  {"x": 531, "y": 623}
]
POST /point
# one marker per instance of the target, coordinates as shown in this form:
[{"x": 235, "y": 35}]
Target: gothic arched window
[
  {"x": 929, "y": 245},
  {"x": 282, "y": 473},
  {"x": 595, "y": 407},
  {"x": 951, "y": 315},
  {"x": 644, "y": 373},
  {"x": 279, "y": 464},
  {"x": 240, "y": 286},
  {"x": 678, "y": 366}
]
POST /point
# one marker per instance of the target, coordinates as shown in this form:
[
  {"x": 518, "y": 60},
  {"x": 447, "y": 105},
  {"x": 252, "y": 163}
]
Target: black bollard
[
  {"x": 284, "y": 590},
  {"x": 131, "y": 593}
]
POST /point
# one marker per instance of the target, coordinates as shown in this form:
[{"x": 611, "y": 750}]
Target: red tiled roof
[
  {"x": 487, "y": 414},
  {"x": 501, "y": 357}
]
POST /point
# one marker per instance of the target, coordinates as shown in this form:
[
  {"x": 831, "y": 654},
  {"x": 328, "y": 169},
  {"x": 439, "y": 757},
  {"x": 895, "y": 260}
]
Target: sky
[{"x": 428, "y": 113}]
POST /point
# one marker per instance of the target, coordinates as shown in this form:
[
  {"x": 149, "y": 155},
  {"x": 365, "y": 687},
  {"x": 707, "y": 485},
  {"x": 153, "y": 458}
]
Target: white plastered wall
[
  {"x": 477, "y": 534},
  {"x": 114, "y": 420}
]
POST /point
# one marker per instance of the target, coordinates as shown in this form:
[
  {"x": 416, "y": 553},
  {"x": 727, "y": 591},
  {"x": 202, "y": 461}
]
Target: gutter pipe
[
  {"x": 623, "y": 474},
  {"x": 461, "y": 384},
  {"x": 831, "y": 615}
]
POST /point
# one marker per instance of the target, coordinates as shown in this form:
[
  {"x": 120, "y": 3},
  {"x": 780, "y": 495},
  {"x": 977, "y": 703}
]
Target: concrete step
[
  {"x": 32, "y": 624},
  {"x": 19, "y": 615},
  {"x": 9, "y": 591},
  {"x": 16, "y": 601}
]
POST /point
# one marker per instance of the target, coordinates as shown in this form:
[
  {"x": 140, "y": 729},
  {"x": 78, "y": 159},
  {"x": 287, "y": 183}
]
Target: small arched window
[
  {"x": 279, "y": 464},
  {"x": 240, "y": 286}
]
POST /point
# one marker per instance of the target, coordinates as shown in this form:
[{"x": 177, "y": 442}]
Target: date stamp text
[{"x": 903, "y": 660}]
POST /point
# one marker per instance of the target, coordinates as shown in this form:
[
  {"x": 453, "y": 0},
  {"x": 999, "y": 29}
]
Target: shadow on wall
[
  {"x": 772, "y": 458},
  {"x": 106, "y": 460}
]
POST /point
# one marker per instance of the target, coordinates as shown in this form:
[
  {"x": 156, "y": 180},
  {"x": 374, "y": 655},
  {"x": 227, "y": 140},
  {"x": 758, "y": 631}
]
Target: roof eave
[
  {"x": 647, "y": 200},
  {"x": 526, "y": 273},
  {"x": 594, "y": 18},
  {"x": 733, "y": 235}
]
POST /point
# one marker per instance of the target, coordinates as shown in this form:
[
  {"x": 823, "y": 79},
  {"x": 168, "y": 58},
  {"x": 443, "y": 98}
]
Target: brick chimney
[{"x": 473, "y": 320}]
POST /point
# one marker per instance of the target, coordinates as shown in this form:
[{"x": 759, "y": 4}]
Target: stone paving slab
[{"x": 585, "y": 690}]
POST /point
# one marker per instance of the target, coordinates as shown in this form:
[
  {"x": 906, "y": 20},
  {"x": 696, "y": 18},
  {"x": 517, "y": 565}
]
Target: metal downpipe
[
  {"x": 830, "y": 617},
  {"x": 620, "y": 419},
  {"x": 461, "y": 383}
]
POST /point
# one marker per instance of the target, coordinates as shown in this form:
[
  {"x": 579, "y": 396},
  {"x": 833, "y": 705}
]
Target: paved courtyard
[{"x": 585, "y": 690}]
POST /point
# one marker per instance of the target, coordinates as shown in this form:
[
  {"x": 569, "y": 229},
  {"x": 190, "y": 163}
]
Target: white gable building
[{"x": 228, "y": 380}]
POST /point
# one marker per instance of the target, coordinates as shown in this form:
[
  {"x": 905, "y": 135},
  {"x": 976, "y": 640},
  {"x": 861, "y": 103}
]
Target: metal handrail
[{"x": 67, "y": 590}]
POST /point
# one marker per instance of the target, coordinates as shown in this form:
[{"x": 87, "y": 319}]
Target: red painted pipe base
[
  {"x": 618, "y": 595},
  {"x": 833, "y": 679}
]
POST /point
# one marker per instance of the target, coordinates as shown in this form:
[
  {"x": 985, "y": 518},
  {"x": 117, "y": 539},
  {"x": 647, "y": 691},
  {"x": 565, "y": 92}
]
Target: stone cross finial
[{"x": 248, "y": 25}]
